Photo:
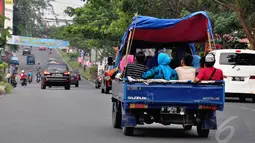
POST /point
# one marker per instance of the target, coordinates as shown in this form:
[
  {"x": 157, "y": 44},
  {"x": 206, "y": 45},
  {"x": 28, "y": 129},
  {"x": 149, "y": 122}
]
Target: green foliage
[
  {"x": 28, "y": 17},
  {"x": 8, "y": 88}
]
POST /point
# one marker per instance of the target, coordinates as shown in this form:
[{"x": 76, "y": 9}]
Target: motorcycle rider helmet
[
  {"x": 30, "y": 70},
  {"x": 22, "y": 71}
]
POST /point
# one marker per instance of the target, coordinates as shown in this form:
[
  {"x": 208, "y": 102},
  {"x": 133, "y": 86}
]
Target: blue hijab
[
  {"x": 196, "y": 61},
  {"x": 163, "y": 61}
]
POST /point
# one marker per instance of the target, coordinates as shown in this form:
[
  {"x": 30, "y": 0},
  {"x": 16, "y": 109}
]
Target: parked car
[
  {"x": 74, "y": 78},
  {"x": 26, "y": 51},
  {"x": 42, "y": 48}
]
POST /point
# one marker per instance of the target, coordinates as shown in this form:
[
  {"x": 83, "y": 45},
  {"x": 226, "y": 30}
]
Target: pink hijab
[{"x": 131, "y": 60}]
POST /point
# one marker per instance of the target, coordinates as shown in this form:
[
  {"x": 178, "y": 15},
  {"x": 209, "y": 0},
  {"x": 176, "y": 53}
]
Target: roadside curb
[{"x": 72, "y": 68}]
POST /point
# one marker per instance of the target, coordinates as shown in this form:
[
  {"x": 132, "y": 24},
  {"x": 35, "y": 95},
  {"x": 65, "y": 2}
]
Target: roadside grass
[
  {"x": 75, "y": 65},
  {"x": 7, "y": 87}
]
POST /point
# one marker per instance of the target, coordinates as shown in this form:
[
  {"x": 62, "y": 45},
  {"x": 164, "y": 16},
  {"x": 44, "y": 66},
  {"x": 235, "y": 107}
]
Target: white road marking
[{"x": 250, "y": 109}]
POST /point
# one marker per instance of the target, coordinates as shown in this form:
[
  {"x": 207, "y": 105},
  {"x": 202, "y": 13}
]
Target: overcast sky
[{"x": 60, "y": 6}]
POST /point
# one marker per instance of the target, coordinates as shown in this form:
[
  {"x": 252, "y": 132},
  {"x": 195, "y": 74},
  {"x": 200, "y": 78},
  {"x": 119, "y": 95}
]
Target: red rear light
[
  {"x": 252, "y": 77},
  {"x": 238, "y": 51},
  {"x": 46, "y": 72},
  {"x": 66, "y": 73},
  {"x": 106, "y": 74},
  {"x": 204, "y": 107}
]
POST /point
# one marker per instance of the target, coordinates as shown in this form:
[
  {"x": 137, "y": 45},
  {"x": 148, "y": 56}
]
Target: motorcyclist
[
  {"x": 23, "y": 75},
  {"x": 30, "y": 74},
  {"x": 50, "y": 50}
]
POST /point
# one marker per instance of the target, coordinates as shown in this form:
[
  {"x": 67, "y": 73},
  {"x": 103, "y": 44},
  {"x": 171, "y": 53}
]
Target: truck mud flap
[
  {"x": 210, "y": 122},
  {"x": 128, "y": 120}
]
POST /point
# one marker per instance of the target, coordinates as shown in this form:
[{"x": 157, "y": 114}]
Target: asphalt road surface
[{"x": 83, "y": 115}]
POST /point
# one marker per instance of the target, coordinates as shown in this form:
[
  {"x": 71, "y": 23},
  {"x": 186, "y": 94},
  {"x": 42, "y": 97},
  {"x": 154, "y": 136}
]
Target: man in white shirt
[{"x": 186, "y": 71}]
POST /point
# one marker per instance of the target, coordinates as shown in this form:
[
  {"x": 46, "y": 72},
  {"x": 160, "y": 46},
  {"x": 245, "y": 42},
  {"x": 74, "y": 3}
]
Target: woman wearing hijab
[
  {"x": 162, "y": 71},
  {"x": 131, "y": 60},
  {"x": 196, "y": 63}
]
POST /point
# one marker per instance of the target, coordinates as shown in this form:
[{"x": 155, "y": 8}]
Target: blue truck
[
  {"x": 139, "y": 102},
  {"x": 30, "y": 60}
]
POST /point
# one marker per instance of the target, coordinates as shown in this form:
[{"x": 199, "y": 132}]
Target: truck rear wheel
[
  {"x": 116, "y": 115},
  {"x": 204, "y": 133}
]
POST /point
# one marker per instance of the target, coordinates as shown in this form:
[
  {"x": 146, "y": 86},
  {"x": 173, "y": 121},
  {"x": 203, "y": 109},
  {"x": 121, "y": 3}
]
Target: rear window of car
[
  {"x": 57, "y": 66},
  {"x": 244, "y": 59}
]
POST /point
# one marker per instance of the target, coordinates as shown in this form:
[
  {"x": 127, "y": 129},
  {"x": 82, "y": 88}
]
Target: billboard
[
  {"x": 8, "y": 13},
  {"x": 37, "y": 42}
]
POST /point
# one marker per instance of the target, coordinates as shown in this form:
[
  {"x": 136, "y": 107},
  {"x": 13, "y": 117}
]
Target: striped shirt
[{"x": 136, "y": 70}]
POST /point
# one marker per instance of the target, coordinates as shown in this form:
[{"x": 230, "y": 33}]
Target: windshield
[
  {"x": 237, "y": 59},
  {"x": 30, "y": 58},
  {"x": 15, "y": 58},
  {"x": 57, "y": 67}
]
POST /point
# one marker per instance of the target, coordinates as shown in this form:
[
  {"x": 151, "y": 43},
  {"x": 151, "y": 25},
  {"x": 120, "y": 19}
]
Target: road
[{"x": 83, "y": 115}]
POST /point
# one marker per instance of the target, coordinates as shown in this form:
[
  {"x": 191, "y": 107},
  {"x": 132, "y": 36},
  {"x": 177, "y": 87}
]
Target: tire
[
  {"x": 187, "y": 127},
  {"x": 67, "y": 87},
  {"x": 77, "y": 85},
  {"x": 96, "y": 85},
  {"x": 107, "y": 91},
  {"x": 116, "y": 116},
  {"x": 102, "y": 90},
  {"x": 203, "y": 133},
  {"x": 43, "y": 86},
  {"x": 253, "y": 99},
  {"x": 242, "y": 98},
  {"x": 128, "y": 131}
]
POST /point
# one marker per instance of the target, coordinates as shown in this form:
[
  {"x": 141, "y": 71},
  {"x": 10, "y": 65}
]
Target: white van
[{"x": 238, "y": 67}]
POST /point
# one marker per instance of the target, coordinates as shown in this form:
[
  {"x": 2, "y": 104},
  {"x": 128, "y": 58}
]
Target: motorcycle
[
  {"x": 38, "y": 78},
  {"x": 13, "y": 82},
  {"x": 23, "y": 82},
  {"x": 30, "y": 79}
]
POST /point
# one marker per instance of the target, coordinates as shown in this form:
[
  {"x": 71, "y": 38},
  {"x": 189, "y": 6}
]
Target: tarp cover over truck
[{"x": 150, "y": 31}]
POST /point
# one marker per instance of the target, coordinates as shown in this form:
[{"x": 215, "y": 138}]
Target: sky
[{"x": 60, "y": 6}]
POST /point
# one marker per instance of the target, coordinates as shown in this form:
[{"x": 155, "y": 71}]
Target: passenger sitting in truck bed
[
  {"x": 196, "y": 61},
  {"x": 137, "y": 69},
  {"x": 209, "y": 72},
  {"x": 162, "y": 71},
  {"x": 186, "y": 71},
  {"x": 130, "y": 60}
]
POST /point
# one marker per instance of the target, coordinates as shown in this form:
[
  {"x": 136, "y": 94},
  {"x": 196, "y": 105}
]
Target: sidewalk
[{"x": 2, "y": 89}]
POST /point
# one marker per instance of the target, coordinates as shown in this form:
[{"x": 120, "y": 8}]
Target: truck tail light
[
  {"x": 238, "y": 51},
  {"x": 138, "y": 106},
  {"x": 204, "y": 107}
]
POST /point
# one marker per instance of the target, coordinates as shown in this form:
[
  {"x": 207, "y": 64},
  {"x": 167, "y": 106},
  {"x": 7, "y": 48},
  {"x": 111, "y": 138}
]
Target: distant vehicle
[
  {"x": 106, "y": 84},
  {"x": 14, "y": 60},
  {"x": 30, "y": 59},
  {"x": 56, "y": 75},
  {"x": 74, "y": 78},
  {"x": 52, "y": 60},
  {"x": 238, "y": 67},
  {"x": 26, "y": 51},
  {"x": 42, "y": 48},
  {"x": 98, "y": 82}
]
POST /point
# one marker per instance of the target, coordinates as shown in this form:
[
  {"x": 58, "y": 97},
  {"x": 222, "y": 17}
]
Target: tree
[
  {"x": 28, "y": 16},
  {"x": 4, "y": 32},
  {"x": 244, "y": 11}
]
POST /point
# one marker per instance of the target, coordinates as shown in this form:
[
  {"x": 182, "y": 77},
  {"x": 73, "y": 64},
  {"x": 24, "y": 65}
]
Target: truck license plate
[
  {"x": 172, "y": 110},
  {"x": 57, "y": 74}
]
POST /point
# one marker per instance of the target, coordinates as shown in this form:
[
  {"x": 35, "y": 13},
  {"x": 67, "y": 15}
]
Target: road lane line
[
  {"x": 250, "y": 109},
  {"x": 72, "y": 68}
]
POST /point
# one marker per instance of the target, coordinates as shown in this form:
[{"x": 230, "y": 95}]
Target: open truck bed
[{"x": 139, "y": 102}]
